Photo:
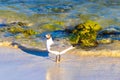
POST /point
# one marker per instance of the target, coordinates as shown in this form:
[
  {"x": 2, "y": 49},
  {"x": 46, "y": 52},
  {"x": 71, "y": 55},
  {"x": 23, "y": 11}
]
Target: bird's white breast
[{"x": 49, "y": 43}]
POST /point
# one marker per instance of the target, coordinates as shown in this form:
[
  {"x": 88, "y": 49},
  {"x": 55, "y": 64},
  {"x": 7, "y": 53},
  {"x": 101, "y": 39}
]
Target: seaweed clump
[
  {"x": 85, "y": 34},
  {"x": 17, "y": 30}
]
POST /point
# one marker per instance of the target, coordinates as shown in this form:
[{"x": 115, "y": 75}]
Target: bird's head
[{"x": 48, "y": 36}]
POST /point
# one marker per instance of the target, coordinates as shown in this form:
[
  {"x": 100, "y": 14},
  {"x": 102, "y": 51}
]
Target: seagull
[{"x": 55, "y": 48}]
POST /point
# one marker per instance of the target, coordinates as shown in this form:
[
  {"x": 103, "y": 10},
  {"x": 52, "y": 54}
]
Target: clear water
[
  {"x": 62, "y": 13},
  {"x": 67, "y": 10}
]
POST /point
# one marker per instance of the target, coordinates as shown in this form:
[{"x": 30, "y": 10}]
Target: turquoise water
[
  {"x": 69, "y": 11},
  {"x": 60, "y": 14}
]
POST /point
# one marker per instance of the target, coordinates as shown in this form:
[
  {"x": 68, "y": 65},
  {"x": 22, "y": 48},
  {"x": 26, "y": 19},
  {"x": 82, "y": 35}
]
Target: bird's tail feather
[{"x": 64, "y": 51}]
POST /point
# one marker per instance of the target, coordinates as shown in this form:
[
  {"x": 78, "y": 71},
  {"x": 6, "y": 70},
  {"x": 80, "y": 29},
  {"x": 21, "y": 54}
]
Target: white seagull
[{"x": 56, "y": 48}]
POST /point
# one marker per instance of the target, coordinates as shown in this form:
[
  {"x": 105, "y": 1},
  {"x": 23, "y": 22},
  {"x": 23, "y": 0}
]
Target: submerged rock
[{"x": 112, "y": 32}]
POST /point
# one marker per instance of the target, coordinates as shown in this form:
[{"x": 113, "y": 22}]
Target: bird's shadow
[{"x": 37, "y": 52}]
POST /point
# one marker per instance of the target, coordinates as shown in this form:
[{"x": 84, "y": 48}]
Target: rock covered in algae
[
  {"x": 85, "y": 34},
  {"x": 16, "y": 28}
]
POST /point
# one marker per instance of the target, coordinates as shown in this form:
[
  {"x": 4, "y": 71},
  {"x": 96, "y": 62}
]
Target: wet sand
[{"x": 18, "y": 64}]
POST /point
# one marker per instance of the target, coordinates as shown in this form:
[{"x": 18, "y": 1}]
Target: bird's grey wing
[{"x": 59, "y": 47}]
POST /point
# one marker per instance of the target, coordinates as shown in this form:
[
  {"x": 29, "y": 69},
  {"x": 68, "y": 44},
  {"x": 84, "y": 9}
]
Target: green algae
[
  {"x": 50, "y": 27},
  {"x": 12, "y": 16},
  {"x": 85, "y": 34}
]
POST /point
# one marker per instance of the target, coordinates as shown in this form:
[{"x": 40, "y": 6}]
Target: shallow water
[
  {"x": 66, "y": 10},
  {"x": 61, "y": 14}
]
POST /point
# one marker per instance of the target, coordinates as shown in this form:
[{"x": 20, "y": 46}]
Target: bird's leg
[
  {"x": 59, "y": 58},
  {"x": 56, "y": 58}
]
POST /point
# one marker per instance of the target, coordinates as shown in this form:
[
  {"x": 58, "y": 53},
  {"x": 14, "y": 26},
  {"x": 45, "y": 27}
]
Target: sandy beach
[{"x": 31, "y": 64}]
